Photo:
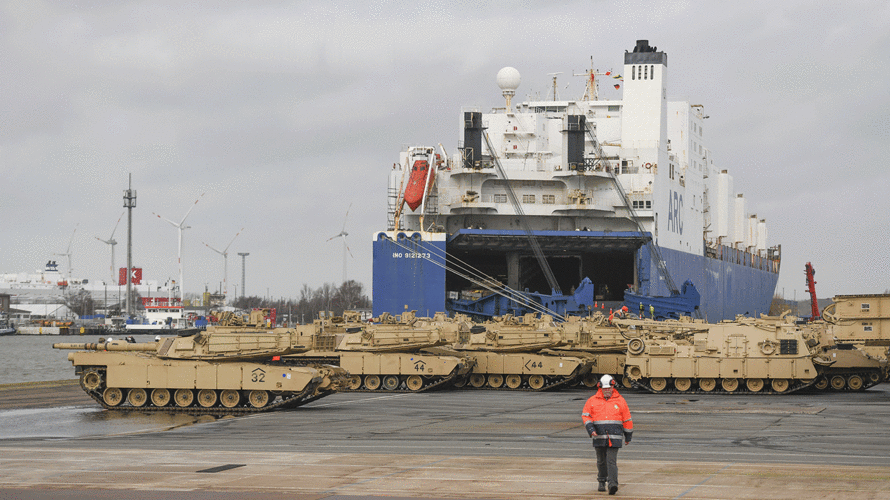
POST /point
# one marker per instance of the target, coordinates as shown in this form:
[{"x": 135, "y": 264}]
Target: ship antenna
[
  {"x": 508, "y": 80},
  {"x": 555, "y": 91}
]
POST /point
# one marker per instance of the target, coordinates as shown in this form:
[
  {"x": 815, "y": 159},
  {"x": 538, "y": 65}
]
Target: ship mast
[{"x": 591, "y": 92}]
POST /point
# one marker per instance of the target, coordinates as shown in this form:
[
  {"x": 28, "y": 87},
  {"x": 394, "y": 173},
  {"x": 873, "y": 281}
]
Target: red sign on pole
[{"x": 135, "y": 276}]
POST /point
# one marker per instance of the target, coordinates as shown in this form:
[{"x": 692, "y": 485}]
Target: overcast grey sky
[{"x": 284, "y": 113}]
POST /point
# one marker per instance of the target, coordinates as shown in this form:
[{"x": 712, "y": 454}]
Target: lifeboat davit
[{"x": 414, "y": 192}]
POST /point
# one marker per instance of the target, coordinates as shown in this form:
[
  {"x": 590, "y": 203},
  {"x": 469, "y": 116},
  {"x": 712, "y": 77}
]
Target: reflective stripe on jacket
[{"x": 610, "y": 417}]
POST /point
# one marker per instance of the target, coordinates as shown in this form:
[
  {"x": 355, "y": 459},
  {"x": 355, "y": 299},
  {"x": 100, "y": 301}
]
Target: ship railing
[{"x": 726, "y": 253}]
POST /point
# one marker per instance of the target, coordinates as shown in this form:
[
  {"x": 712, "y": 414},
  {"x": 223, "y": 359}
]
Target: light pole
[
  {"x": 129, "y": 204},
  {"x": 243, "y": 259}
]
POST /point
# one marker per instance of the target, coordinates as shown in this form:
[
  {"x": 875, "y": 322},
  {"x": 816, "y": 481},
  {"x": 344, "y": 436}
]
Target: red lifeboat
[{"x": 415, "y": 190}]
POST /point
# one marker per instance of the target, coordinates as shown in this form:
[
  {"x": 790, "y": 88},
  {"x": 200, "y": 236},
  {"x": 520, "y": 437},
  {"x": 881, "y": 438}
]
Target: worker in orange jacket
[{"x": 607, "y": 420}]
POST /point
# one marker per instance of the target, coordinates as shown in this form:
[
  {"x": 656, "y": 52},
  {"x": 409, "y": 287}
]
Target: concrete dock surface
[{"x": 448, "y": 445}]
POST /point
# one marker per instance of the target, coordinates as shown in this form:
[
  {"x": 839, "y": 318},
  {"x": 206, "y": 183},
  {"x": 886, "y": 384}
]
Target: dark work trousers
[{"x": 607, "y": 465}]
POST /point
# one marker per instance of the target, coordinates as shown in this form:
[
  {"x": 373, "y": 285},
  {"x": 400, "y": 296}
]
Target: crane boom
[{"x": 811, "y": 287}]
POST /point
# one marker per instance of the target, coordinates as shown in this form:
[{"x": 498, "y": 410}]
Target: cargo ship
[{"x": 543, "y": 199}]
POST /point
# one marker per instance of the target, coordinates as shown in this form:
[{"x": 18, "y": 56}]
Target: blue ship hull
[{"x": 409, "y": 272}]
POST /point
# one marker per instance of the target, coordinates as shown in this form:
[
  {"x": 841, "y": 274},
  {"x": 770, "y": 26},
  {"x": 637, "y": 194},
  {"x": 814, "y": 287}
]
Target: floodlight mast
[
  {"x": 129, "y": 204},
  {"x": 243, "y": 258}
]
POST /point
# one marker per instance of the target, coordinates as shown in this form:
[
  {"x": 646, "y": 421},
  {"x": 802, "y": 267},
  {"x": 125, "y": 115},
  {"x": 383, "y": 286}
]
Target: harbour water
[{"x": 31, "y": 358}]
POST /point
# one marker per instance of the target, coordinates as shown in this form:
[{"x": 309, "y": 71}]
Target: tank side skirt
[
  {"x": 335, "y": 360},
  {"x": 298, "y": 399}
]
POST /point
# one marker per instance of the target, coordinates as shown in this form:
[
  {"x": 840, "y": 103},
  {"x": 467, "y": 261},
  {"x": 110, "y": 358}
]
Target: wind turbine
[
  {"x": 112, "y": 242},
  {"x": 68, "y": 252},
  {"x": 181, "y": 227},
  {"x": 225, "y": 254},
  {"x": 343, "y": 234}
]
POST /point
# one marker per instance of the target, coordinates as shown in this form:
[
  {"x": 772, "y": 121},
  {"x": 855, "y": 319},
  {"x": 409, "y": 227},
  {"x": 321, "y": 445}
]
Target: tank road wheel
[
  {"x": 729, "y": 384},
  {"x": 590, "y": 380},
  {"x": 514, "y": 381},
  {"x": 230, "y": 398},
  {"x": 258, "y": 399},
  {"x": 658, "y": 384},
  {"x": 838, "y": 382},
  {"x": 536, "y": 382},
  {"x": 137, "y": 397},
  {"x": 460, "y": 381},
  {"x": 113, "y": 396},
  {"x": 372, "y": 382},
  {"x": 495, "y": 380},
  {"x": 91, "y": 380},
  {"x": 754, "y": 384},
  {"x": 354, "y": 383},
  {"x": 160, "y": 397},
  {"x": 206, "y": 398},
  {"x": 821, "y": 384},
  {"x": 874, "y": 378},
  {"x": 390, "y": 382},
  {"x": 477, "y": 380},
  {"x": 707, "y": 384},
  {"x": 780, "y": 384},
  {"x": 183, "y": 397},
  {"x": 682, "y": 384},
  {"x": 625, "y": 382},
  {"x": 414, "y": 383},
  {"x": 855, "y": 382}
]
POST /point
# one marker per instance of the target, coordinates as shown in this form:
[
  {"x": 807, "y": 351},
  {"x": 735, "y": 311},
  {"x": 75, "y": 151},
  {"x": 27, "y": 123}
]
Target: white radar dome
[{"x": 508, "y": 78}]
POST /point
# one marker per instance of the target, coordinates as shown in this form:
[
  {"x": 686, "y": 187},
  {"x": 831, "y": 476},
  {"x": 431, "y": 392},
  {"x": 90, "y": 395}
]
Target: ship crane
[{"x": 811, "y": 287}]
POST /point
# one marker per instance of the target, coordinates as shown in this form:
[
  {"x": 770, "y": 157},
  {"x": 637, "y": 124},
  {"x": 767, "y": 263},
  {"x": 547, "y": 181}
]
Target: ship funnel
[{"x": 472, "y": 138}]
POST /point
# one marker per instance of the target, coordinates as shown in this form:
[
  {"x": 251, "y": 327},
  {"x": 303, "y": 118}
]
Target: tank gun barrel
[{"x": 108, "y": 346}]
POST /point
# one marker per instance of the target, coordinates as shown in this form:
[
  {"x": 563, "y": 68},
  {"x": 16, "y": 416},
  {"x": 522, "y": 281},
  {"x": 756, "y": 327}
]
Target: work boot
[
  {"x": 613, "y": 489},
  {"x": 602, "y": 486}
]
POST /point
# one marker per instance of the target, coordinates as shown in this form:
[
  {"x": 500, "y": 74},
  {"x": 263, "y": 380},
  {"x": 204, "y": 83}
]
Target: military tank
[
  {"x": 390, "y": 354},
  {"x": 745, "y": 356},
  {"x": 853, "y": 367},
  {"x": 514, "y": 353},
  {"x": 205, "y": 373},
  {"x": 596, "y": 341}
]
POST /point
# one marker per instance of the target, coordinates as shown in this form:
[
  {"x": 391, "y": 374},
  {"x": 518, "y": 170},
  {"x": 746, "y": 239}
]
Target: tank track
[
  {"x": 550, "y": 383},
  {"x": 437, "y": 383},
  {"x": 293, "y": 401},
  {"x": 794, "y": 386},
  {"x": 870, "y": 378}
]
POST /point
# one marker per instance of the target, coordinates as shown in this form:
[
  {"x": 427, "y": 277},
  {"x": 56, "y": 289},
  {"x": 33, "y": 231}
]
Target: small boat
[
  {"x": 415, "y": 189},
  {"x": 6, "y": 327},
  {"x": 162, "y": 315}
]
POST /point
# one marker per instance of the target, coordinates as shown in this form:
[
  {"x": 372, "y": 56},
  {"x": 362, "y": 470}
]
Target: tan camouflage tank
[
  {"x": 389, "y": 354},
  {"x": 207, "y": 373}
]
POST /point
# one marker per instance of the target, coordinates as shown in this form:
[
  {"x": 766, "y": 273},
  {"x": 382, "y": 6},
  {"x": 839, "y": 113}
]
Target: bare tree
[{"x": 80, "y": 303}]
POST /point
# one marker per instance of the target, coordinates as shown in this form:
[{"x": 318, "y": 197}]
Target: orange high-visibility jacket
[{"x": 610, "y": 418}]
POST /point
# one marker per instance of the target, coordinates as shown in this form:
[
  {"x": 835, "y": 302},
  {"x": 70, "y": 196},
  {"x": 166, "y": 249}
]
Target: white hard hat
[
  {"x": 607, "y": 381},
  {"x": 109, "y": 339}
]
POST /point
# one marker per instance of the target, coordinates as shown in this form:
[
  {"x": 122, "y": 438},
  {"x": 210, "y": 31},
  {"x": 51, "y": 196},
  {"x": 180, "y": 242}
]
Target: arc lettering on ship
[{"x": 675, "y": 212}]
